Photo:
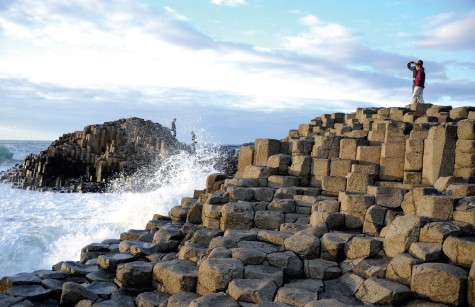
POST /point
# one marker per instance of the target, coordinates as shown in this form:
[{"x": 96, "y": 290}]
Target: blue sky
[{"x": 231, "y": 70}]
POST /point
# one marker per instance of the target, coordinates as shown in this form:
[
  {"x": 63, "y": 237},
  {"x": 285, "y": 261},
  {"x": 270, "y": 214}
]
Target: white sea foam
[{"x": 38, "y": 230}]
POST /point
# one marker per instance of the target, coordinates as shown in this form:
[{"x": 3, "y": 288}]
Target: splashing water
[{"x": 38, "y": 230}]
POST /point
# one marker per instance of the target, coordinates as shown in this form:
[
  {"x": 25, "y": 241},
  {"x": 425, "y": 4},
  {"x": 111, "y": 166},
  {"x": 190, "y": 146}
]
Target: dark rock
[
  {"x": 103, "y": 289},
  {"x": 33, "y": 292},
  {"x": 18, "y": 280},
  {"x": 72, "y": 293},
  {"x": 215, "y": 299}
]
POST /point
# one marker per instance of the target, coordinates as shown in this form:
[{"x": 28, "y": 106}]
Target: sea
[{"x": 40, "y": 229}]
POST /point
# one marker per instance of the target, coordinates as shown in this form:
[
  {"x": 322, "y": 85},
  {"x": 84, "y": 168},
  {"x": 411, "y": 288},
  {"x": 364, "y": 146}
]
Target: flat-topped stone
[
  {"x": 252, "y": 290},
  {"x": 176, "y": 275}
]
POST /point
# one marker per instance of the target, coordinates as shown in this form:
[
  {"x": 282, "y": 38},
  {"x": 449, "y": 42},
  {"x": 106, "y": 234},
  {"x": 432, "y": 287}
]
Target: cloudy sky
[{"x": 232, "y": 70}]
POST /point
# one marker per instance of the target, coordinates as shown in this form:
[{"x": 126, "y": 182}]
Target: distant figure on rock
[
  {"x": 174, "y": 128},
  {"x": 412, "y": 67},
  {"x": 193, "y": 140},
  {"x": 419, "y": 82}
]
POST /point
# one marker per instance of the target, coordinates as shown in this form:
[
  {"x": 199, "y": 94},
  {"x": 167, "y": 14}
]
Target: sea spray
[{"x": 41, "y": 229}]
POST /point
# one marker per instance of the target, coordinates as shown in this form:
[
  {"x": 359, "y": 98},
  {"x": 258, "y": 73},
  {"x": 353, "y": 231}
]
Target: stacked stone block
[
  {"x": 465, "y": 149},
  {"x": 95, "y": 155},
  {"x": 362, "y": 208}
]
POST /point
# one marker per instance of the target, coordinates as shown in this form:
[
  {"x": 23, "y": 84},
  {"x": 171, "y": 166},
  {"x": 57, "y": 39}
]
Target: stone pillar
[
  {"x": 246, "y": 154},
  {"x": 264, "y": 148},
  {"x": 326, "y": 147},
  {"x": 465, "y": 150},
  {"x": 439, "y": 153}
]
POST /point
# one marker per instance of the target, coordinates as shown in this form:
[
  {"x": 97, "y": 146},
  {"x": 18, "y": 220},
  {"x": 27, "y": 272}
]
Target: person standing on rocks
[
  {"x": 193, "y": 140},
  {"x": 174, "y": 128},
  {"x": 412, "y": 67},
  {"x": 419, "y": 84}
]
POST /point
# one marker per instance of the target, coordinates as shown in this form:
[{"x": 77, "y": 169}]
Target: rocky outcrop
[
  {"x": 372, "y": 207},
  {"x": 84, "y": 160}
]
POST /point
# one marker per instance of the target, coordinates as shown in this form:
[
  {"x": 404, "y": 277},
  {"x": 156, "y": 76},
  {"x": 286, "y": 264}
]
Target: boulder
[
  {"x": 277, "y": 181},
  {"x": 354, "y": 207},
  {"x": 20, "y": 279},
  {"x": 273, "y": 236},
  {"x": 440, "y": 282},
  {"x": 252, "y": 290},
  {"x": 301, "y": 165},
  {"x": 137, "y": 274},
  {"x": 216, "y": 273},
  {"x": 426, "y": 251},
  {"x": 321, "y": 269},
  {"x": 263, "y": 194},
  {"x": 401, "y": 234},
  {"x": 387, "y": 196},
  {"x": 400, "y": 268},
  {"x": 248, "y": 255},
  {"x": 295, "y": 296},
  {"x": 6, "y": 300},
  {"x": 306, "y": 246},
  {"x": 194, "y": 214},
  {"x": 334, "y": 220},
  {"x": 270, "y": 220},
  {"x": 155, "y": 298},
  {"x": 282, "y": 205},
  {"x": 191, "y": 251},
  {"x": 182, "y": 299},
  {"x": 371, "y": 267},
  {"x": 72, "y": 293},
  {"x": 333, "y": 245},
  {"x": 374, "y": 220},
  {"x": 264, "y": 272},
  {"x": 279, "y": 164},
  {"x": 237, "y": 216},
  {"x": 103, "y": 289},
  {"x": 382, "y": 292},
  {"x": 30, "y": 292},
  {"x": 176, "y": 275},
  {"x": 256, "y": 172},
  {"x": 289, "y": 262},
  {"x": 260, "y": 246},
  {"x": 111, "y": 261},
  {"x": 436, "y": 207},
  {"x": 220, "y": 252},
  {"x": 214, "y": 299},
  {"x": 363, "y": 247},
  {"x": 460, "y": 250},
  {"x": 78, "y": 269},
  {"x": 240, "y": 193},
  {"x": 437, "y": 232},
  {"x": 265, "y": 148}
]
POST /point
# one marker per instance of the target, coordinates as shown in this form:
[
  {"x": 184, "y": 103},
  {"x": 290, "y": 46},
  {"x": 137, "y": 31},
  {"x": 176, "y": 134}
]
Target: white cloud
[
  {"x": 309, "y": 20},
  {"x": 154, "y": 59},
  {"x": 322, "y": 39},
  {"x": 453, "y": 32},
  {"x": 229, "y": 2},
  {"x": 173, "y": 13}
]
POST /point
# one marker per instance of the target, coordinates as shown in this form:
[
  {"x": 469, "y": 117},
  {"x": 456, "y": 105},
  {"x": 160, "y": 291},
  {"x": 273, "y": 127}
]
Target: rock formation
[
  {"x": 85, "y": 160},
  {"x": 372, "y": 207}
]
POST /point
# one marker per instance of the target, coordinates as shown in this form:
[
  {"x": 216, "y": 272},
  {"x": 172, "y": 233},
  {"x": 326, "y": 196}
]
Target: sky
[{"x": 230, "y": 70}]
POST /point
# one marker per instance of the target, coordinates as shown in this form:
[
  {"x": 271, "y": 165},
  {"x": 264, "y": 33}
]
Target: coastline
[{"x": 372, "y": 207}]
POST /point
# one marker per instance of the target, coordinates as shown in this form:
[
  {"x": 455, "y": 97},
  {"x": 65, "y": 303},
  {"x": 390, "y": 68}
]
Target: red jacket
[{"x": 420, "y": 78}]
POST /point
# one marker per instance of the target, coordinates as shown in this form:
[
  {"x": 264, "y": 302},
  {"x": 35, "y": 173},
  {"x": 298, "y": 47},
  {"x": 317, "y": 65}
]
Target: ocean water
[{"x": 39, "y": 229}]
